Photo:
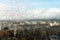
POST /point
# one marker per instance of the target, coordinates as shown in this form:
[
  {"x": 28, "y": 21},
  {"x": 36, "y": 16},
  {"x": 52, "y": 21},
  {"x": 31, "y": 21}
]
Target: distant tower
[{"x": 1, "y": 25}]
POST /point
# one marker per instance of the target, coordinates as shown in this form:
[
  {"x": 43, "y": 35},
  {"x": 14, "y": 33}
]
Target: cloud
[
  {"x": 49, "y": 13},
  {"x": 20, "y": 12}
]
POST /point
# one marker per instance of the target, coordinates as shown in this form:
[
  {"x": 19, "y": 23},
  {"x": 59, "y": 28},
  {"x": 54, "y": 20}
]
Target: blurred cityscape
[{"x": 30, "y": 29}]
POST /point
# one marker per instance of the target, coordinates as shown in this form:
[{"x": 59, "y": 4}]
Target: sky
[{"x": 29, "y": 9}]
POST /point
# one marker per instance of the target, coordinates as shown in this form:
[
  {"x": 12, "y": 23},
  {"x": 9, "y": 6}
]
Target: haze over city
[{"x": 29, "y": 19}]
